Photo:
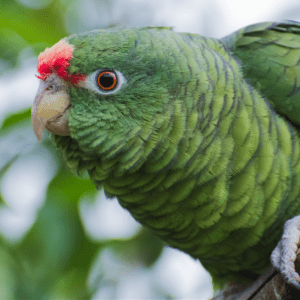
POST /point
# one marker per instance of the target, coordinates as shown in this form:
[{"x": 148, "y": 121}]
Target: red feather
[{"x": 55, "y": 60}]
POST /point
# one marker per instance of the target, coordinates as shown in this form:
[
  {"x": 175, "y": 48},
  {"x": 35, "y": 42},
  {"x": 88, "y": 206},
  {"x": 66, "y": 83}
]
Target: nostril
[{"x": 49, "y": 88}]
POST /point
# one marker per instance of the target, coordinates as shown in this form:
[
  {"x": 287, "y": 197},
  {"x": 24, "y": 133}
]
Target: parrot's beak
[{"x": 50, "y": 108}]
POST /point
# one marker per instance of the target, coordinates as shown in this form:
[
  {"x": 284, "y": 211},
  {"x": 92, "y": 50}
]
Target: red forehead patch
[{"x": 55, "y": 60}]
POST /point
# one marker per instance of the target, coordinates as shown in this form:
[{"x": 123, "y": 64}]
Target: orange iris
[{"x": 107, "y": 80}]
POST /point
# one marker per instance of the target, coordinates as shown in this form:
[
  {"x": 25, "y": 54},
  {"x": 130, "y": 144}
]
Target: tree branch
[{"x": 269, "y": 286}]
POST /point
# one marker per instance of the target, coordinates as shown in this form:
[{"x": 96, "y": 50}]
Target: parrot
[{"x": 197, "y": 137}]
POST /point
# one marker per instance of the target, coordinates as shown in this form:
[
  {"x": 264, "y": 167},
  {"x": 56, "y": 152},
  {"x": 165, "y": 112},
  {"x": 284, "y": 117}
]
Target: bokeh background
[{"x": 59, "y": 237}]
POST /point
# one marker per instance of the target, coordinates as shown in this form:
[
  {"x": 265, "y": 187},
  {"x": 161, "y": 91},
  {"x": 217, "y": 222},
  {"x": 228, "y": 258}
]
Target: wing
[{"x": 270, "y": 57}]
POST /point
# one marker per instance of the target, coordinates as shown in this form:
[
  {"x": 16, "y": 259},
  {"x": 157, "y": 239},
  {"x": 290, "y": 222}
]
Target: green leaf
[
  {"x": 2, "y": 200},
  {"x": 68, "y": 189},
  {"x": 55, "y": 256},
  {"x": 144, "y": 248},
  {"x": 15, "y": 118},
  {"x": 3, "y": 170}
]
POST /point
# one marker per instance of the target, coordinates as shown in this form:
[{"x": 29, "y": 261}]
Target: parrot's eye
[{"x": 105, "y": 81}]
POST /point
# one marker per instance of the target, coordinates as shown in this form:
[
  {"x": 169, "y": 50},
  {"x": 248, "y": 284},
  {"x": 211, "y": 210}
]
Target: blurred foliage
[
  {"x": 54, "y": 258},
  {"x": 21, "y": 27},
  {"x": 3, "y": 171},
  {"x": 14, "y": 118}
]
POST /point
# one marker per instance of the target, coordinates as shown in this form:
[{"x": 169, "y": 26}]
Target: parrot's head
[{"x": 111, "y": 92}]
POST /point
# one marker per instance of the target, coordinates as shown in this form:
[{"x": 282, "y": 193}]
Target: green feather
[
  {"x": 269, "y": 54},
  {"x": 190, "y": 144}
]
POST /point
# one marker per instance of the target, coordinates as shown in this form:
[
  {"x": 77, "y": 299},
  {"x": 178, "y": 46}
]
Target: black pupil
[{"x": 107, "y": 80}]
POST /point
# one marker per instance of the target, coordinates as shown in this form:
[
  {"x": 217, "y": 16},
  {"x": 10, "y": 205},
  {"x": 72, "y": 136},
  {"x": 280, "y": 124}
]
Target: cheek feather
[{"x": 55, "y": 60}]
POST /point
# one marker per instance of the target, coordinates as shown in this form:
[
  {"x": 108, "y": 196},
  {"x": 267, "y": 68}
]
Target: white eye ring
[{"x": 92, "y": 82}]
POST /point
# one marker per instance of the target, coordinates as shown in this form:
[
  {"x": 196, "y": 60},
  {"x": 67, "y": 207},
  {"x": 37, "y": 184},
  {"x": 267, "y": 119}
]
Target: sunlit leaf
[
  {"x": 2, "y": 201},
  {"x": 3, "y": 170},
  {"x": 15, "y": 118},
  {"x": 7, "y": 165}
]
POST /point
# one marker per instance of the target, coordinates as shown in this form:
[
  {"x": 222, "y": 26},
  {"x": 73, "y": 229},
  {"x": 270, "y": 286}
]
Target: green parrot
[{"x": 196, "y": 137}]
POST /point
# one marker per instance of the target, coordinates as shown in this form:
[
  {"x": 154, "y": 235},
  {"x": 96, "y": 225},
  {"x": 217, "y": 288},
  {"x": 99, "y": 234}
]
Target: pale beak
[{"x": 50, "y": 108}]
